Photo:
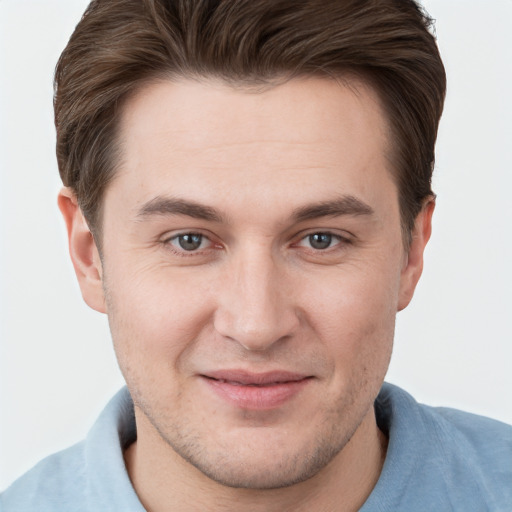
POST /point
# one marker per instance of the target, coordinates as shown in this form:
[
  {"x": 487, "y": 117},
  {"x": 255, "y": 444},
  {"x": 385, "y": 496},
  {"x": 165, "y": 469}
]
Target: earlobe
[
  {"x": 83, "y": 251},
  {"x": 413, "y": 267}
]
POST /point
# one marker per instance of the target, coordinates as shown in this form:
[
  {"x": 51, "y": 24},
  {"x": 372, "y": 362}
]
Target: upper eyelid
[
  {"x": 193, "y": 233},
  {"x": 299, "y": 237},
  {"x": 338, "y": 238},
  {"x": 183, "y": 253},
  {"x": 175, "y": 234},
  {"x": 345, "y": 235}
]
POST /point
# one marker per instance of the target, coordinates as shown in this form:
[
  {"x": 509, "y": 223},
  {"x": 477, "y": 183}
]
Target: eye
[
  {"x": 189, "y": 241},
  {"x": 320, "y": 241}
]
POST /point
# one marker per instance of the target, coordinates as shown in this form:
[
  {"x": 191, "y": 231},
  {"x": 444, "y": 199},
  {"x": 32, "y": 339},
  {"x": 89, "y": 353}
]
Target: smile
[
  {"x": 255, "y": 391},
  {"x": 235, "y": 383}
]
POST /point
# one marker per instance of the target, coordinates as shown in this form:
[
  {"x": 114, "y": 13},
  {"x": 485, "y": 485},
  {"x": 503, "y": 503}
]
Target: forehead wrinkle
[{"x": 275, "y": 148}]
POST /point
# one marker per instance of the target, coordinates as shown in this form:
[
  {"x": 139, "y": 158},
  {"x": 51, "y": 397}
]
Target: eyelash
[
  {"x": 183, "y": 252},
  {"x": 333, "y": 237},
  {"x": 341, "y": 241}
]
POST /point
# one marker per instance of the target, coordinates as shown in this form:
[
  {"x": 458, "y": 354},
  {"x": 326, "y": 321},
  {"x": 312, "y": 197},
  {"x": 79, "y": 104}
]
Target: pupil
[
  {"x": 190, "y": 242},
  {"x": 320, "y": 240}
]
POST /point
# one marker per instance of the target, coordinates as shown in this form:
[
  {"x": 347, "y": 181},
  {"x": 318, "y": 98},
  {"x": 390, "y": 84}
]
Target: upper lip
[{"x": 253, "y": 378}]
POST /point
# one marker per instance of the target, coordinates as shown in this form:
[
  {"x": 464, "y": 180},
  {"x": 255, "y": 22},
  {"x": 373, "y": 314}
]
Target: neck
[{"x": 166, "y": 482}]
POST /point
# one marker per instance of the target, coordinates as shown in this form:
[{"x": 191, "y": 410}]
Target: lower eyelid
[
  {"x": 208, "y": 245},
  {"x": 338, "y": 239}
]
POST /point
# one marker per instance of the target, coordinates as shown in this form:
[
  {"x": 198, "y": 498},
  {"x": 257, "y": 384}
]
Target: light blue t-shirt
[{"x": 437, "y": 460}]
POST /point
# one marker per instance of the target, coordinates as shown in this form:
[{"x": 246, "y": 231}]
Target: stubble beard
[{"x": 230, "y": 467}]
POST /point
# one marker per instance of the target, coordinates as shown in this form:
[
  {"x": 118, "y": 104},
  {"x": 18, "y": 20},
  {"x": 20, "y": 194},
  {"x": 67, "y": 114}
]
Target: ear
[
  {"x": 83, "y": 251},
  {"x": 413, "y": 265}
]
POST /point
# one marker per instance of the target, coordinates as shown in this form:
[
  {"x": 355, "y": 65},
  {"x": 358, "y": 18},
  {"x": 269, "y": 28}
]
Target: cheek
[
  {"x": 354, "y": 314},
  {"x": 154, "y": 317}
]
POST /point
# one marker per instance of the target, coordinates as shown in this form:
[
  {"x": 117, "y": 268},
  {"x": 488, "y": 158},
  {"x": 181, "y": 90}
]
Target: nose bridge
[{"x": 254, "y": 308}]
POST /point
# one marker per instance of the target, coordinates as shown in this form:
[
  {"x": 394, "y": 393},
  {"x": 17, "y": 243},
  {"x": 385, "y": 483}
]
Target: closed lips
[{"x": 241, "y": 378}]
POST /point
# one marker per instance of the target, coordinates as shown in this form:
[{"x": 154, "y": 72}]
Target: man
[{"x": 247, "y": 196}]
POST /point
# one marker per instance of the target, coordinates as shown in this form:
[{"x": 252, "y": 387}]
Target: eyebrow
[
  {"x": 345, "y": 205},
  {"x": 173, "y": 206},
  {"x": 165, "y": 206}
]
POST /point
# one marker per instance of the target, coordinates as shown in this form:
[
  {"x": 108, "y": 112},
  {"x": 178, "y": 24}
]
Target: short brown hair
[{"x": 119, "y": 45}]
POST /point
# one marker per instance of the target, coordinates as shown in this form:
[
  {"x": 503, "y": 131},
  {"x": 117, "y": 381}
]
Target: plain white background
[{"x": 453, "y": 344}]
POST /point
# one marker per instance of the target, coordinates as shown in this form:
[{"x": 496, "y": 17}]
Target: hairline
[{"x": 350, "y": 78}]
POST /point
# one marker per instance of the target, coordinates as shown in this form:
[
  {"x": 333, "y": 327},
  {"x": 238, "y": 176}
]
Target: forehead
[{"x": 303, "y": 138}]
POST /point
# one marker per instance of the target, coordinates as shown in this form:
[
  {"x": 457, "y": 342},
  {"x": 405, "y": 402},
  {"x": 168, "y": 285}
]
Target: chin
[{"x": 262, "y": 462}]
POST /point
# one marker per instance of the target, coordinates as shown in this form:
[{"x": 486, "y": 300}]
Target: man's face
[{"x": 253, "y": 265}]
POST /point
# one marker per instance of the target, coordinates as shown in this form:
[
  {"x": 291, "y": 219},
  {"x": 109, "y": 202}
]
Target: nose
[{"x": 255, "y": 306}]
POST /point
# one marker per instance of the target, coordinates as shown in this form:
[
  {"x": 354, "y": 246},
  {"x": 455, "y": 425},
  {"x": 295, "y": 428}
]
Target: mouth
[{"x": 256, "y": 391}]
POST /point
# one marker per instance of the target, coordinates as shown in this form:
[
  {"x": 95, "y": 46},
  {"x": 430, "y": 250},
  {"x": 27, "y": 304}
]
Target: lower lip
[{"x": 257, "y": 397}]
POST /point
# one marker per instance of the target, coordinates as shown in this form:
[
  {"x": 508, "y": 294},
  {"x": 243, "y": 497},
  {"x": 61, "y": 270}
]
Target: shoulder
[
  {"x": 89, "y": 476},
  {"x": 444, "y": 458},
  {"x": 483, "y": 447},
  {"x": 489, "y": 438},
  {"x": 56, "y": 483},
  {"x": 446, "y": 424}
]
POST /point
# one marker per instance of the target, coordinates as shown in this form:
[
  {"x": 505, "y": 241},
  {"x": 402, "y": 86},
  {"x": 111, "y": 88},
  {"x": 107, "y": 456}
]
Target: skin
[{"x": 257, "y": 294}]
